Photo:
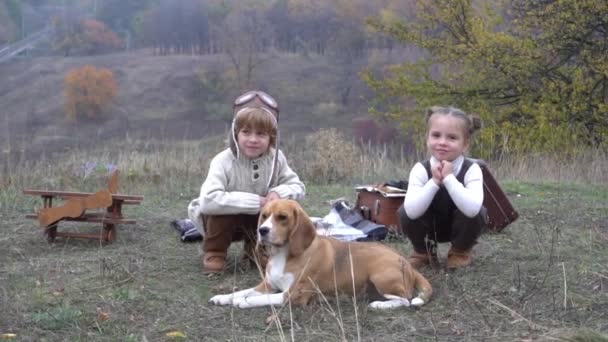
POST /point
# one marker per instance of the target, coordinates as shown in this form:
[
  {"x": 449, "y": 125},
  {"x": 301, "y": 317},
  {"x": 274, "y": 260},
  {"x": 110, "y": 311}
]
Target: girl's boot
[
  {"x": 419, "y": 259},
  {"x": 458, "y": 258}
]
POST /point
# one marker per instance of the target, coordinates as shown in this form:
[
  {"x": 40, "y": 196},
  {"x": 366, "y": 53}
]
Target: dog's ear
[{"x": 303, "y": 232}]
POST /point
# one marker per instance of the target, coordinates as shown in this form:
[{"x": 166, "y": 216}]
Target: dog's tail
[{"x": 424, "y": 289}]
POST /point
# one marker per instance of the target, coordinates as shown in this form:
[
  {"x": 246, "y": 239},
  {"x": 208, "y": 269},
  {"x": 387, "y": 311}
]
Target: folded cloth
[
  {"x": 187, "y": 229},
  {"x": 352, "y": 217},
  {"x": 343, "y": 216},
  {"x": 342, "y": 233}
]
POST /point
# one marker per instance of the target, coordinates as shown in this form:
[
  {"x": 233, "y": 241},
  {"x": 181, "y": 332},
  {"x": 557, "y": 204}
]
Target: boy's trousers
[{"x": 222, "y": 230}]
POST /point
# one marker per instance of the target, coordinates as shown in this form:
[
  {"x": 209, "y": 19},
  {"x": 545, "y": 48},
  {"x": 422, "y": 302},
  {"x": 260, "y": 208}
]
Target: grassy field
[{"x": 544, "y": 278}]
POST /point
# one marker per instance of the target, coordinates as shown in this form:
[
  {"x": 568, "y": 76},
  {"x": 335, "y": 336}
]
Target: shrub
[
  {"x": 332, "y": 158},
  {"x": 88, "y": 90}
]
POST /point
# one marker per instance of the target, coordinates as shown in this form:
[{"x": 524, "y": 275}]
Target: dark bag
[
  {"x": 500, "y": 211},
  {"x": 187, "y": 230}
]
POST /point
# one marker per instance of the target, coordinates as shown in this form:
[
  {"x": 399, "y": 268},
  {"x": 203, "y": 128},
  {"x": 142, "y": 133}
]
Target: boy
[{"x": 241, "y": 180}]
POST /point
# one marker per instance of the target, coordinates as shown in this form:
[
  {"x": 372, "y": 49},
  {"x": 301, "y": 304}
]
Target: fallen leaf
[
  {"x": 103, "y": 316},
  {"x": 175, "y": 334},
  {"x": 271, "y": 319}
]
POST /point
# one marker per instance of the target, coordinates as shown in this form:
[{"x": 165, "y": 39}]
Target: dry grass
[{"x": 543, "y": 279}]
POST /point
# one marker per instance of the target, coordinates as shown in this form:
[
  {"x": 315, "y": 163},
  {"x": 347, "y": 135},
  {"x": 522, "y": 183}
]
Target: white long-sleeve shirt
[{"x": 421, "y": 190}]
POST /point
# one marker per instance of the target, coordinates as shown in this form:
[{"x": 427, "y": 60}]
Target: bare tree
[{"x": 246, "y": 38}]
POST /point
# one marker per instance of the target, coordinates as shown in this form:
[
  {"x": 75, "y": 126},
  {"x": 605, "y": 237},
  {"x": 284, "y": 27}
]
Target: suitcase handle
[
  {"x": 365, "y": 212},
  {"x": 376, "y": 208}
]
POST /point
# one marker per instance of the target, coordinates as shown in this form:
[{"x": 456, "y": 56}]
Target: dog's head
[{"x": 284, "y": 223}]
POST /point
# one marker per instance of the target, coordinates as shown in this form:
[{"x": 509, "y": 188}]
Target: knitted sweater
[
  {"x": 234, "y": 185},
  {"x": 467, "y": 197}
]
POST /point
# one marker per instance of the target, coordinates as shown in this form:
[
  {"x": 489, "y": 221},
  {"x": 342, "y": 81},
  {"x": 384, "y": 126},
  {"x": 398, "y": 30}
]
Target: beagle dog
[{"x": 303, "y": 264}]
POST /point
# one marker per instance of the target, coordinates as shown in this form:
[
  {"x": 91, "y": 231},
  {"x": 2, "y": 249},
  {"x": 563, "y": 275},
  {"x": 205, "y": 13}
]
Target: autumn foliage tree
[
  {"x": 88, "y": 91},
  {"x": 98, "y": 37},
  {"x": 536, "y": 71},
  {"x": 86, "y": 36}
]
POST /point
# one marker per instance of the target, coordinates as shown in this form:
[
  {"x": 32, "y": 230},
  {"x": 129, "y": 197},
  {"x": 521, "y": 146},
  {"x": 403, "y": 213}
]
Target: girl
[
  {"x": 241, "y": 180},
  {"x": 445, "y": 193}
]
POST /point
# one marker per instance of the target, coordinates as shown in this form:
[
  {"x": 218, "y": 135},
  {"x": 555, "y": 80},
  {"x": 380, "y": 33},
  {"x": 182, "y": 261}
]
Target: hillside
[{"x": 163, "y": 97}]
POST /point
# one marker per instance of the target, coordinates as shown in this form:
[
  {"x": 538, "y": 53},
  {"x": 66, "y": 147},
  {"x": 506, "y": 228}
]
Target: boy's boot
[
  {"x": 218, "y": 236},
  {"x": 458, "y": 258},
  {"x": 213, "y": 262}
]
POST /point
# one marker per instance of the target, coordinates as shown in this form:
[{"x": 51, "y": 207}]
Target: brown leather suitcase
[
  {"x": 380, "y": 206},
  {"x": 500, "y": 211}
]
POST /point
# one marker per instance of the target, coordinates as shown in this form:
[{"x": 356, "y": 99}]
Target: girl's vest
[{"x": 442, "y": 203}]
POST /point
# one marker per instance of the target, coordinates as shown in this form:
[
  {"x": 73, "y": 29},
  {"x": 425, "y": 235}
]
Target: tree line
[{"x": 212, "y": 26}]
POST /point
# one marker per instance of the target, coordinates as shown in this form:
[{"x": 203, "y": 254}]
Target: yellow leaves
[
  {"x": 387, "y": 16},
  {"x": 88, "y": 90},
  {"x": 538, "y": 86},
  {"x": 175, "y": 335},
  {"x": 87, "y": 35},
  {"x": 8, "y": 336}
]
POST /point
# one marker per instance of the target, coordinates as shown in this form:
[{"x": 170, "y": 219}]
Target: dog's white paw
[
  {"x": 417, "y": 301},
  {"x": 242, "y": 303},
  {"x": 389, "y": 304},
  {"x": 222, "y": 299}
]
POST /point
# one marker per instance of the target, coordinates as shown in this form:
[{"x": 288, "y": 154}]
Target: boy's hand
[
  {"x": 269, "y": 198},
  {"x": 446, "y": 168},
  {"x": 437, "y": 174},
  {"x": 262, "y": 201},
  {"x": 272, "y": 196}
]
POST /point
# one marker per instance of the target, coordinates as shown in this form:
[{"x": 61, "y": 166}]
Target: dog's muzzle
[
  {"x": 263, "y": 231},
  {"x": 264, "y": 237}
]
